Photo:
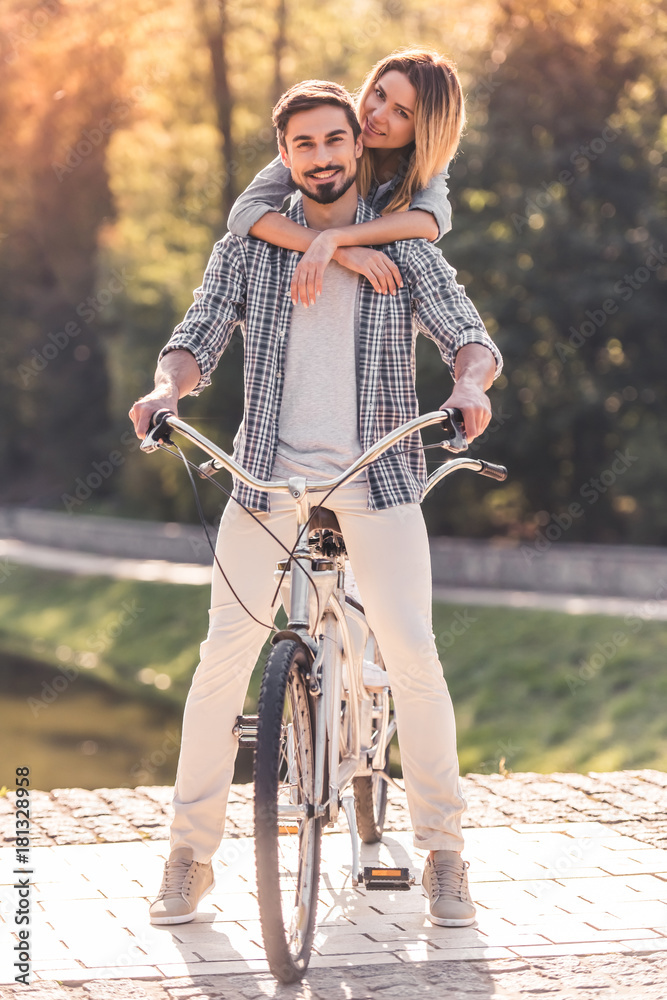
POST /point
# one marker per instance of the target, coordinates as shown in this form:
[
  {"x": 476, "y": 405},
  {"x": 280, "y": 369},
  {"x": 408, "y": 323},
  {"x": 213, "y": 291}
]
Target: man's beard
[{"x": 327, "y": 194}]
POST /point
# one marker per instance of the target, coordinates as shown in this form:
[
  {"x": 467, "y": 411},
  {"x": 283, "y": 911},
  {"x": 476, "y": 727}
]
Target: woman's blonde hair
[{"x": 439, "y": 119}]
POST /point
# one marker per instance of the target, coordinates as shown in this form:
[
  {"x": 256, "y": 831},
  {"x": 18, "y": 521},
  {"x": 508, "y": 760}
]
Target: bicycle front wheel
[{"x": 287, "y": 834}]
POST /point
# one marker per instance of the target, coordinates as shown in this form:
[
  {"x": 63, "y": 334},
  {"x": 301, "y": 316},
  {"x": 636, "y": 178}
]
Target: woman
[{"x": 411, "y": 112}]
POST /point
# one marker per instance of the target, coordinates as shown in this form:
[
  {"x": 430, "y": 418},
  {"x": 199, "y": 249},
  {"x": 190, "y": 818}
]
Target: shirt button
[{"x": 279, "y": 374}]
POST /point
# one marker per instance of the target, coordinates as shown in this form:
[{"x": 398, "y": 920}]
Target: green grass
[
  {"x": 520, "y": 691},
  {"x": 556, "y": 692},
  {"x": 110, "y": 628}
]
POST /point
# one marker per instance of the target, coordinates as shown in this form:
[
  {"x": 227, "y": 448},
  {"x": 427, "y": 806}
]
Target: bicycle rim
[{"x": 287, "y": 835}]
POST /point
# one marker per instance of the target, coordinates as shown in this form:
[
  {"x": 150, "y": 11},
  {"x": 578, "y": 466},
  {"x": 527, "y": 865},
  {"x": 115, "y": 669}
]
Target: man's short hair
[{"x": 311, "y": 94}]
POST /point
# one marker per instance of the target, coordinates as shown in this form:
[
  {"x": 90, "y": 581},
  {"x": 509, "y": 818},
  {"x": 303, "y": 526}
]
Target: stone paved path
[
  {"x": 569, "y": 873},
  {"x": 634, "y": 802}
]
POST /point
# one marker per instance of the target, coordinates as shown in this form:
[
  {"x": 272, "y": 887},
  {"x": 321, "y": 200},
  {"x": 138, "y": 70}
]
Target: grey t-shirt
[{"x": 318, "y": 427}]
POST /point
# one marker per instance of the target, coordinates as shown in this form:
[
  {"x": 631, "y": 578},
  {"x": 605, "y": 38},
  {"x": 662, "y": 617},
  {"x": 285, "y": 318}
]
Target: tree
[
  {"x": 279, "y": 47},
  {"x": 559, "y": 209},
  {"x": 60, "y": 84},
  {"x": 215, "y": 30}
]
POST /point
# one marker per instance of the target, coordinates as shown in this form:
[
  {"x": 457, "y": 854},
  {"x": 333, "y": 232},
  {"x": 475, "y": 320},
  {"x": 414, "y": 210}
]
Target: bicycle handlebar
[
  {"x": 498, "y": 472},
  {"x": 478, "y": 465},
  {"x": 450, "y": 420}
]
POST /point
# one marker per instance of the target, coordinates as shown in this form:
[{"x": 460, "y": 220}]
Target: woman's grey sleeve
[
  {"x": 266, "y": 193},
  {"x": 434, "y": 198}
]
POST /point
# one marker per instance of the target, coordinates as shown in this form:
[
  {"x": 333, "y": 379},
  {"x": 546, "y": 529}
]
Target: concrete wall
[
  {"x": 108, "y": 535},
  {"x": 602, "y": 570},
  {"x": 629, "y": 571}
]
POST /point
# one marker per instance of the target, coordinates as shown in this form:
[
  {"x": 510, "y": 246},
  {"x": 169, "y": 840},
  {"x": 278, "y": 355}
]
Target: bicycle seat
[{"x": 324, "y": 518}]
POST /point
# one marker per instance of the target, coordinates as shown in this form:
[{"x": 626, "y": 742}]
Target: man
[{"x": 321, "y": 385}]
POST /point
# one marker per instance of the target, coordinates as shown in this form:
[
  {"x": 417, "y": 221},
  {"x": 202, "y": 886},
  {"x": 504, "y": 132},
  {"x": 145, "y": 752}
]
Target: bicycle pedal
[
  {"x": 245, "y": 730},
  {"x": 389, "y": 879}
]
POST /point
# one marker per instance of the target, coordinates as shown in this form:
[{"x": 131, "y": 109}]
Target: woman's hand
[
  {"x": 380, "y": 270},
  {"x": 307, "y": 279}
]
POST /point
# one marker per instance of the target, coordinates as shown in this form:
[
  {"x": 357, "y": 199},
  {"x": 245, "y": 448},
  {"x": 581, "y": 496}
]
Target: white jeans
[{"x": 389, "y": 554}]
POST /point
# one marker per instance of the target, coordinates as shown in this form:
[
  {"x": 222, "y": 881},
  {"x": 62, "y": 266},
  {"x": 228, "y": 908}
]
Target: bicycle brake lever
[
  {"x": 157, "y": 431},
  {"x": 454, "y": 428}
]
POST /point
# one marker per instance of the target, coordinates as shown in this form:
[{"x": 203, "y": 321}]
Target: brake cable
[
  {"x": 314, "y": 510},
  {"x": 290, "y": 552}
]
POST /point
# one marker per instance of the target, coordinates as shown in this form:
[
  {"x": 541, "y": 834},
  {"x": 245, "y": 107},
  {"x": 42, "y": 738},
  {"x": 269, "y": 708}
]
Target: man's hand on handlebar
[
  {"x": 144, "y": 408},
  {"x": 474, "y": 405},
  {"x": 475, "y": 368},
  {"x": 177, "y": 373}
]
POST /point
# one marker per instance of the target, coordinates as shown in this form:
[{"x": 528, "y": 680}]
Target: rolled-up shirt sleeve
[
  {"x": 218, "y": 307},
  {"x": 266, "y": 193},
  {"x": 434, "y": 198},
  {"x": 442, "y": 310}
]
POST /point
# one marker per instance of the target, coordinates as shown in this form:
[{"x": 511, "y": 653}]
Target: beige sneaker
[
  {"x": 184, "y": 884},
  {"x": 446, "y": 884}
]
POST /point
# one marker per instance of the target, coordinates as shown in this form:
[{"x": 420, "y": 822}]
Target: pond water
[{"x": 89, "y": 736}]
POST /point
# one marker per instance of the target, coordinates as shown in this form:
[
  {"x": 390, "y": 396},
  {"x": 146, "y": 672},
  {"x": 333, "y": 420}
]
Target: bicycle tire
[
  {"x": 287, "y": 852},
  {"x": 370, "y": 804}
]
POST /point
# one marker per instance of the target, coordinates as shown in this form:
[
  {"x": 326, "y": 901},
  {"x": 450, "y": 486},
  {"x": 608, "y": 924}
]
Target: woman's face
[{"x": 387, "y": 117}]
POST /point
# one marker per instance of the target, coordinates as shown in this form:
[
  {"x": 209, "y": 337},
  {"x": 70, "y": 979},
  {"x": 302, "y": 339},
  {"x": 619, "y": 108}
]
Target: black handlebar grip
[
  {"x": 498, "y": 472},
  {"x": 450, "y": 417},
  {"x": 158, "y": 417},
  {"x": 158, "y": 431}
]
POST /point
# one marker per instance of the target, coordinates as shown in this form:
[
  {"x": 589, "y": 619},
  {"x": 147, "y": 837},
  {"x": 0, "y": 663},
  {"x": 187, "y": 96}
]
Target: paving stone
[
  {"x": 186, "y": 987},
  {"x": 567, "y": 968},
  {"x": 578, "y": 948},
  {"x": 533, "y": 815},
  {"x": 651, "y": 944},
  {"x": 468, "y": 975},
  {"x": 36, "y": 991},
  {"x": 464, "y": 980},
  {"x": 629, "y": 970},
  {"x": 636, "y": 784},
  {"x": 78, "y": 975},
  {"x": 655, "y": 777},
  {"x": 162, "y": 795},
  {"x": 123, "y": 989},
  {"x": 75, "y": 815}
]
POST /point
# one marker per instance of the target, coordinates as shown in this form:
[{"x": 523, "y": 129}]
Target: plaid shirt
[{"x": 247, "y": 282}]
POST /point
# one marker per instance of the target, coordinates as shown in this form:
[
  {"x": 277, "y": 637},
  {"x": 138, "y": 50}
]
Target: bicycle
[{"x": 325, "y": 719}]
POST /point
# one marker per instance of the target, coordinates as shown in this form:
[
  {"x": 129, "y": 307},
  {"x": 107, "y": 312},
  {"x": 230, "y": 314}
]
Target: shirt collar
[{"x": 364, "y": 212}]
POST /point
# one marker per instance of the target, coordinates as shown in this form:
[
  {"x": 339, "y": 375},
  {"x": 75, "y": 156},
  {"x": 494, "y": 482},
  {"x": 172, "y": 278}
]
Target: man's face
[{"x": 321, "y": 152}]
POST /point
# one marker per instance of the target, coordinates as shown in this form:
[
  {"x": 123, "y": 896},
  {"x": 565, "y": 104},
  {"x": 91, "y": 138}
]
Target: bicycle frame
[{"x": 329, "y": 585}]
